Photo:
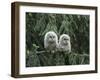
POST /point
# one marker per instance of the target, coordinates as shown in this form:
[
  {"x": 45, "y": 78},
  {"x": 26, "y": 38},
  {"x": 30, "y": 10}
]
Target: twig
[{"x": 42, "y": 52}]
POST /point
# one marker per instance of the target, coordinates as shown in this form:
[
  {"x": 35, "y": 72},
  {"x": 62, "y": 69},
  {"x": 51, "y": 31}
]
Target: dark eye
[
  {"x": 65, "y": 39},
  {"x": 50, "y": 36},
  {"x": 53, "y": 36}
]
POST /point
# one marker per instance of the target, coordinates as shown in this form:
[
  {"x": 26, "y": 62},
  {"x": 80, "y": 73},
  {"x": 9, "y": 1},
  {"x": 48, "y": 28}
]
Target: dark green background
[{"x": 76, "y": 26}]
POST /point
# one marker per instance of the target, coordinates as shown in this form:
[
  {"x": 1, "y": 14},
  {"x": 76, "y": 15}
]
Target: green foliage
[{"x": 76, "y": 26}]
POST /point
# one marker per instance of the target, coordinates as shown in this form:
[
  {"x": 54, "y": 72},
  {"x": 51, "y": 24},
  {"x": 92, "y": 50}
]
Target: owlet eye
[
  {"x": 65, "y": 39},
  {"x": 50, "y": 36},
  {"x": 53, "y": 36}
]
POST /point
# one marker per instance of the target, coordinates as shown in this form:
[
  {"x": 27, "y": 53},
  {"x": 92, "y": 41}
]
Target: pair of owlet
[{"x": 51, "y": 42}]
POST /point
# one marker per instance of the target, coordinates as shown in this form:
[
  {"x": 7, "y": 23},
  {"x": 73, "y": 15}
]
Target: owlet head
[
  {"x": 51, "y": 37},
  {"x": 64, "y": 39}
]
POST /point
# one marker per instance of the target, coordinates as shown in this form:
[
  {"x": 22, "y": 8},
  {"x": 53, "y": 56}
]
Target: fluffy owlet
[
  {"x": 50, "y": 41},
  {"x": 64, "y": 43}
]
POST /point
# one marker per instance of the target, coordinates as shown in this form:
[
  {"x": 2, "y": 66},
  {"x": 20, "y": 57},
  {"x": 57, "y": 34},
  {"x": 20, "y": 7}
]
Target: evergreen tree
[{"x": 76, "y": 26}]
